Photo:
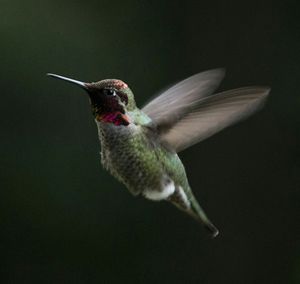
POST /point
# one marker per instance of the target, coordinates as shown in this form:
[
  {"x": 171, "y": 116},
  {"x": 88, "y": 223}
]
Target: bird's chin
[{"x": 117, "y": 118}]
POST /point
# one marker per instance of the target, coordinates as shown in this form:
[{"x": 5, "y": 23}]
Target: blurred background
[{"x": 63, "y": 219}]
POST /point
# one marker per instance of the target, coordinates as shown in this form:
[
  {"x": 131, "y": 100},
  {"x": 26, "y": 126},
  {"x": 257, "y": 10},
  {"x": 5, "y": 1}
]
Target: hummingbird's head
[{"x": 110, "y": 99}]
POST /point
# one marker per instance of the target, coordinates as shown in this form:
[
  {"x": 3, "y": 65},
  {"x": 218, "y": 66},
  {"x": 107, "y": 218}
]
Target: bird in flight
[{"x": 140, "y": 146}]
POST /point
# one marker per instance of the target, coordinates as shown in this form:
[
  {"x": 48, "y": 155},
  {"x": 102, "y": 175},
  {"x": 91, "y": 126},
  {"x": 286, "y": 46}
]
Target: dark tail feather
[
  {"x": 212, "y": 229},
  {"x": 208, "y": 225},
  {"x": 195, "y": 211},
  {"x": 198, "y": 213}
]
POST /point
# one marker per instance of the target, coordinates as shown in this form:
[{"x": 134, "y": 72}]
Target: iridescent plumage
[{"x": 139, "y": 146}]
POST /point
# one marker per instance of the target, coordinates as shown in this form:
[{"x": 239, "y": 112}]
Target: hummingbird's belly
[
  {"x": 141, "y": 163},
  {"x": 136, "y": 166},
  {"x": 137, "y": 162}
]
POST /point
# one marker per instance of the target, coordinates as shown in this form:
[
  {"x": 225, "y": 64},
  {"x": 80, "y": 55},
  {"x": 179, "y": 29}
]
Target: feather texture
[
  {"x": 171, "y": 105},
  {"x": 212, "y": 114}
]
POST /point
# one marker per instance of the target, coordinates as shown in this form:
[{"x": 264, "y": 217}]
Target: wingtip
[
  {"x": 221, "y": 71},
  {"x": 267, "y": 90},
  {"x": 263, "y": 91},
  {"x": 258, "y": 90}
]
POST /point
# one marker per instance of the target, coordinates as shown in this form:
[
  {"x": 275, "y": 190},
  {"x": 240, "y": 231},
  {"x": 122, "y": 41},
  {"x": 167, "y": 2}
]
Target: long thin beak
[{"x": 78, "y": 83}]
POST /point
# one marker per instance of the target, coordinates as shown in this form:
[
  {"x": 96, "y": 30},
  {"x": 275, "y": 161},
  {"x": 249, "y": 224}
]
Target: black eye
[{"x": 109, "y": 92}]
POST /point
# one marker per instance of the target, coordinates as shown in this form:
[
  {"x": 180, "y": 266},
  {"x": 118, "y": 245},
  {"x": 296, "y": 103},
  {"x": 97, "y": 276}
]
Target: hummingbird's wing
[
  {"x": 212, "y": 114},
  {"x": 171, "y": 105}
]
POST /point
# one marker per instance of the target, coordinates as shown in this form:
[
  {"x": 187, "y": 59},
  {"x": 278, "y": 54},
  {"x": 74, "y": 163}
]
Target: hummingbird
[{"x": 140, "y": 146}]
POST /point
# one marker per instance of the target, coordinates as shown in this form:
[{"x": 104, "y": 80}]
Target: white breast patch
[{"x": 160, "y": 195}]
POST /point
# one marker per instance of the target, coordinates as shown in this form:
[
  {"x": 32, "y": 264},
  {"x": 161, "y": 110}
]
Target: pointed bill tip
[
  {"x": 76, "y": 82},
  {"x": 50, "y": 74}
]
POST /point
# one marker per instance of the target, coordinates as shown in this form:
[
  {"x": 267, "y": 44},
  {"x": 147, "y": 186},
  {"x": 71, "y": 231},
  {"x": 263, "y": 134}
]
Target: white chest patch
[{"x": 160, "y": 195}]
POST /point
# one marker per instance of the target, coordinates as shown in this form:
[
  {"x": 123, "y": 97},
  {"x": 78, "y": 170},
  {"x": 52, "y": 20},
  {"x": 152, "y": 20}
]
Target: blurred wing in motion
[
  {"x": 212, "y": 114},
  {"x": 170, "y": 106}
]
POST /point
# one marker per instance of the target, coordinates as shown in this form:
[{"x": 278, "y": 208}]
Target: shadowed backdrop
[{"x": 63, "y": 219}]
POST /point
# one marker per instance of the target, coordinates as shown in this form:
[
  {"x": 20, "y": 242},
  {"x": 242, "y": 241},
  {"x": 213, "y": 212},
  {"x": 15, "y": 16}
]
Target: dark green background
[{"x": 63, "y": 219}]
